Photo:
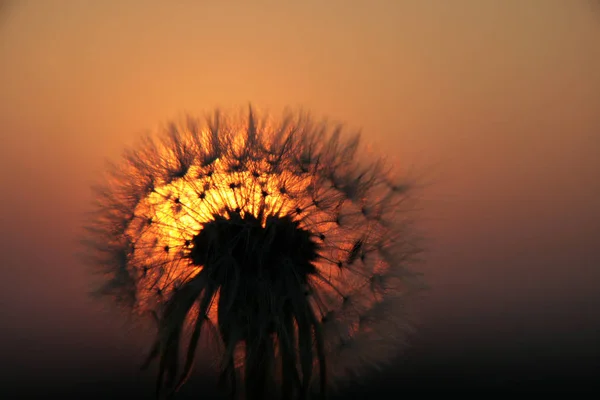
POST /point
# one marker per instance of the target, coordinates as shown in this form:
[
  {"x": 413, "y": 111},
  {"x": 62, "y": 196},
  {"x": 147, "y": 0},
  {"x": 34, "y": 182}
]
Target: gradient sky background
[{"x": 496, "y": 102}]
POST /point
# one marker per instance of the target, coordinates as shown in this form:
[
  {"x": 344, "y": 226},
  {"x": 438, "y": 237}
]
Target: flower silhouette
[{"x": 274, "y": 238}]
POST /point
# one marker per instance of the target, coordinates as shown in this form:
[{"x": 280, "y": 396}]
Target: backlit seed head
[{"x": 277, "y": 236}]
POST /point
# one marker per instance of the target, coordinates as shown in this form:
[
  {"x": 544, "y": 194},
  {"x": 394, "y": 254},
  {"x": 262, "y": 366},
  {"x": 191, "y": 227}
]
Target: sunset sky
[{"x": 495, "y": 104}]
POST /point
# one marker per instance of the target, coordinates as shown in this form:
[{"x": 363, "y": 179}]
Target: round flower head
[{"x": 274, "y": 237}]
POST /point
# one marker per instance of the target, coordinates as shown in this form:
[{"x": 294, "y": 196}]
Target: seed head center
[{"x": 240, "y": 243}]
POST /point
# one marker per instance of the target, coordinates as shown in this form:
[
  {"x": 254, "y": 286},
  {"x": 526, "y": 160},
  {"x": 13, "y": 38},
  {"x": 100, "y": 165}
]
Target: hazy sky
[{"x": 495, "y": 102}]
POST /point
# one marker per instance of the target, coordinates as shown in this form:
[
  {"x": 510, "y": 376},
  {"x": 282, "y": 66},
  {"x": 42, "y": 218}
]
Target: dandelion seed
[{"x": 256, "y": 234}]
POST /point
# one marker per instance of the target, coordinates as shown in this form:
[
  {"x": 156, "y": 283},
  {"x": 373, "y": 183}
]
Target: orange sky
[{"x": 497, "y": 101}]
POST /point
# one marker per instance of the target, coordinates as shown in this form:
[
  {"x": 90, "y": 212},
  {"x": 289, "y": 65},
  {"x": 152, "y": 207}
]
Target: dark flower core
[
  {"x": 255, "y": 252},
  {"x": 263, "y": 259},
  {"x": 266, "y": 263}
]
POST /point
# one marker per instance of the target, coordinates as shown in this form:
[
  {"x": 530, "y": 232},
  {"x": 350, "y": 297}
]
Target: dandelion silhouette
[{"x": 273, "y": 237}]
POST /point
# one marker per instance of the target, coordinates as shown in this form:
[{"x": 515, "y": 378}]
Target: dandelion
[{"x": 273, "y": 238}]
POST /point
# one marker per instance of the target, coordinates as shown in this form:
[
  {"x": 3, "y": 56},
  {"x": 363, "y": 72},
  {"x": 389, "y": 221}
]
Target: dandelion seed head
[{"x": 272, "y": 233}]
